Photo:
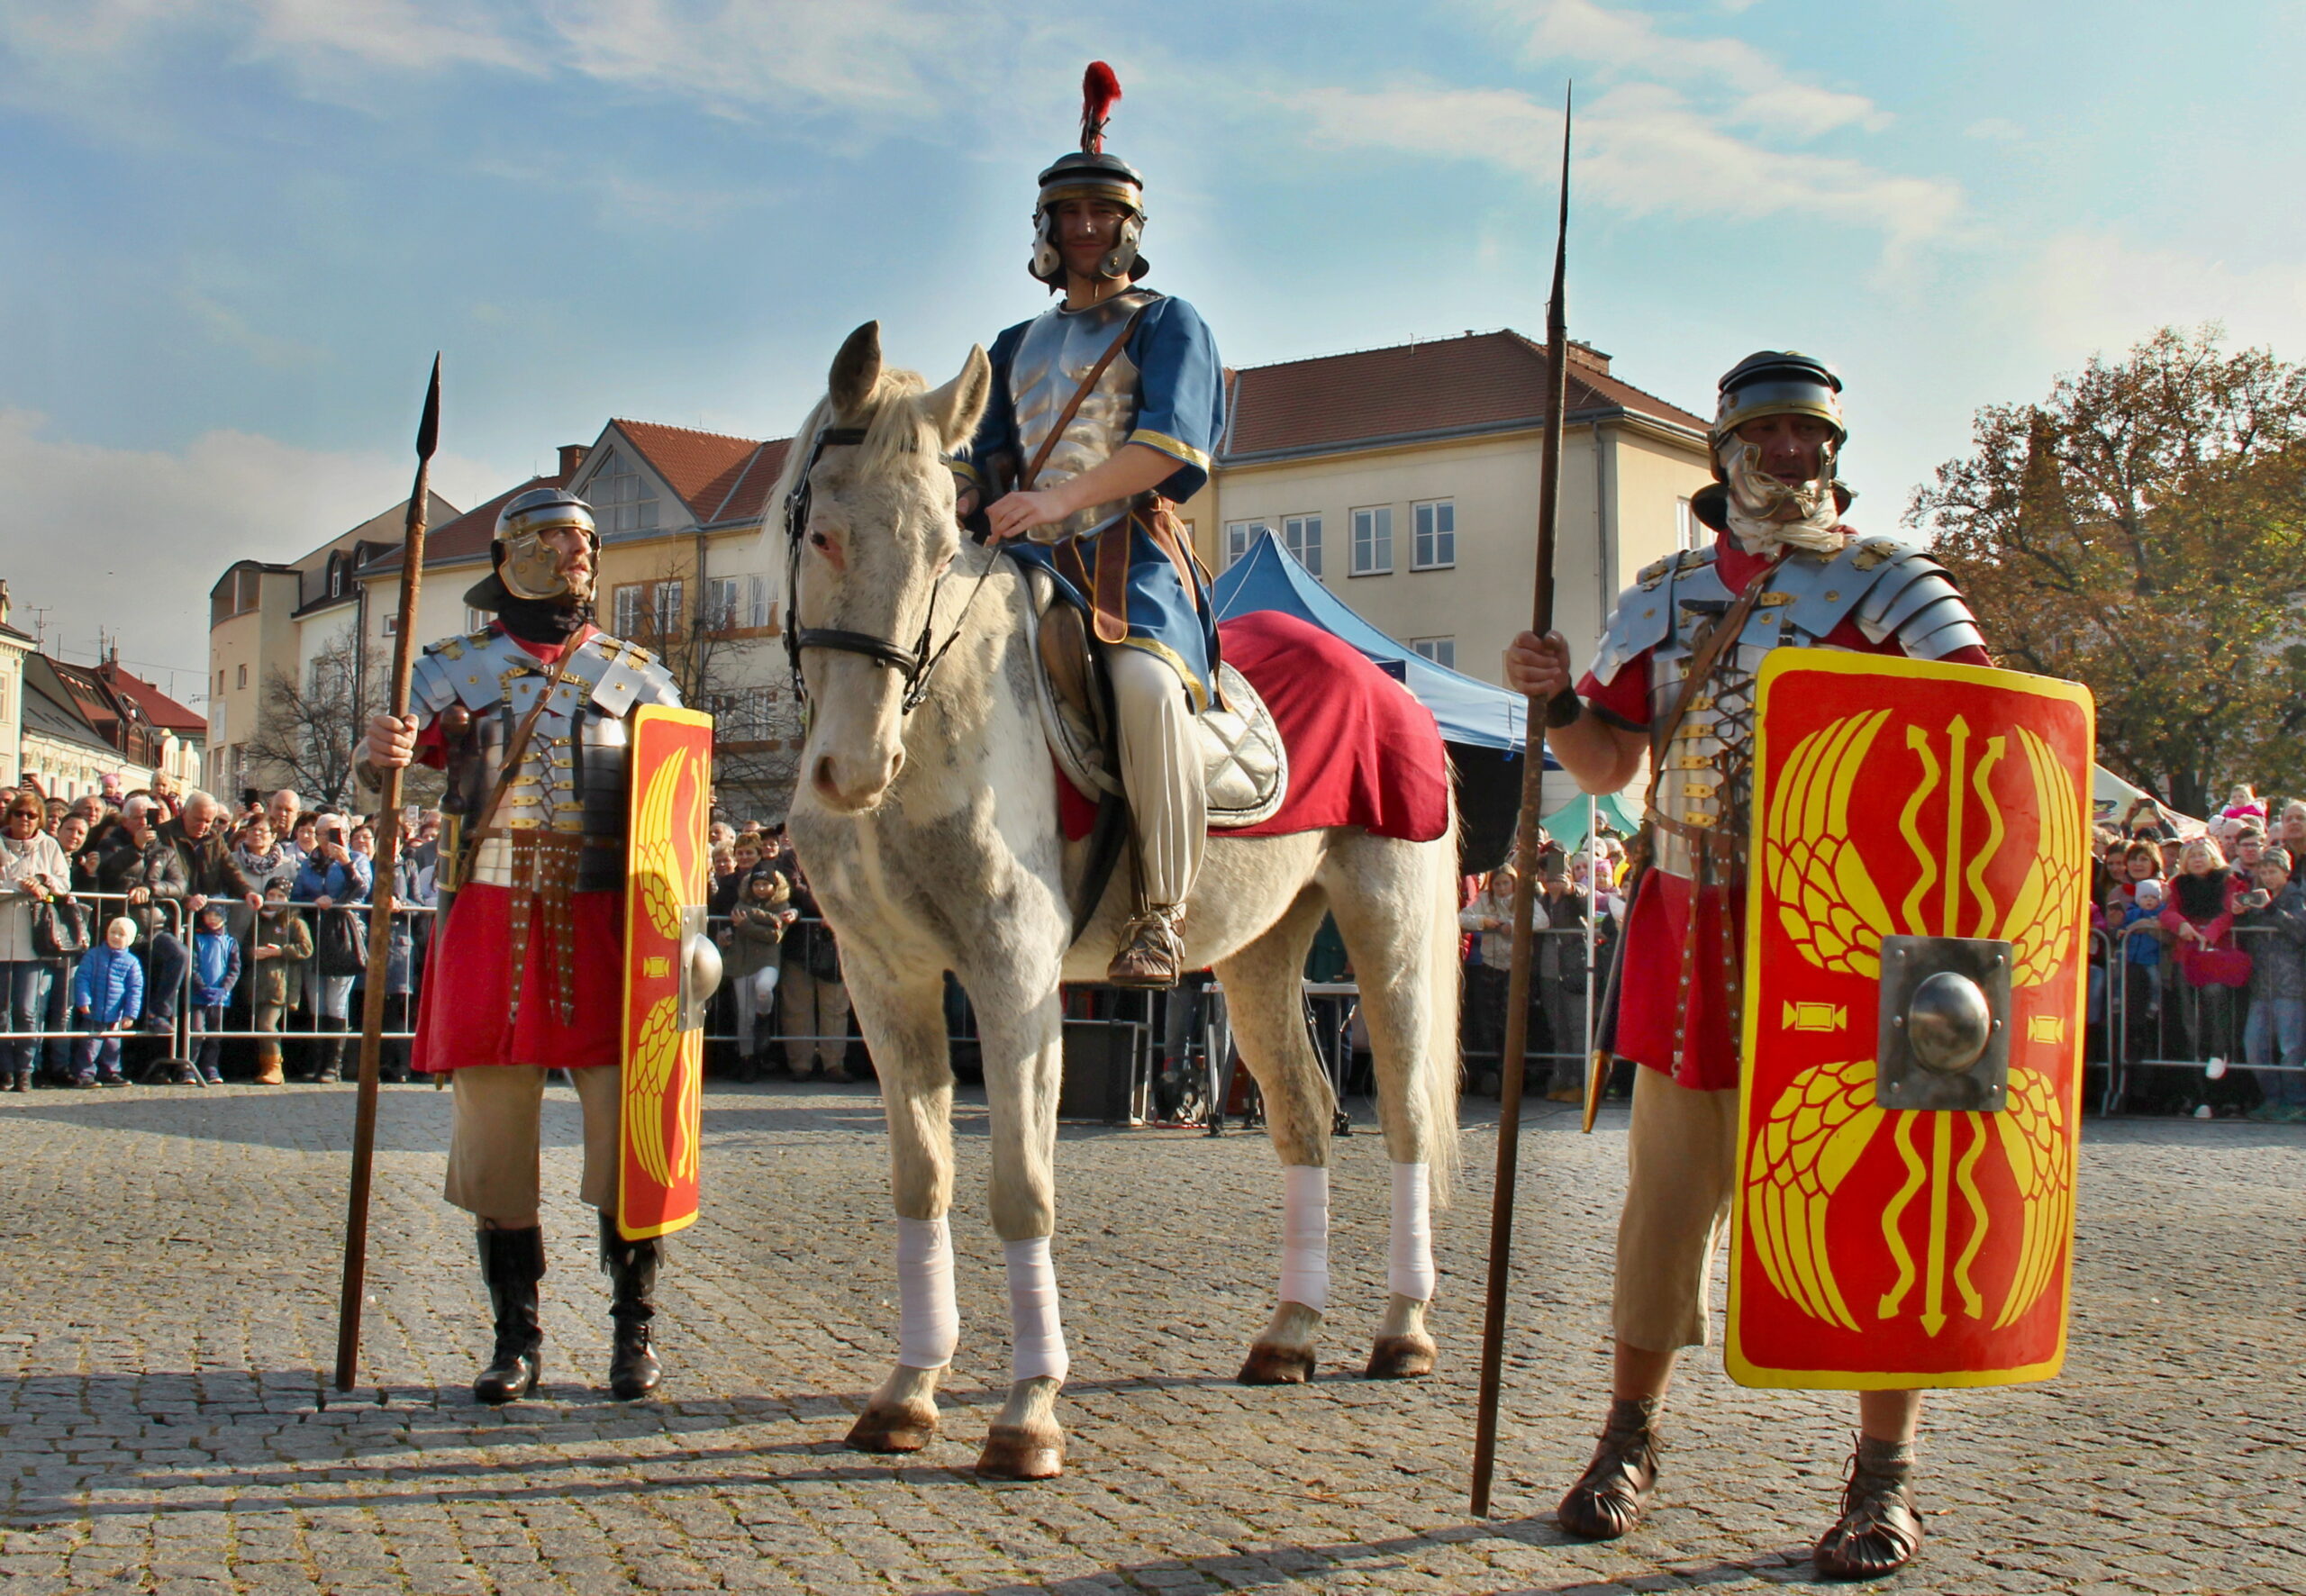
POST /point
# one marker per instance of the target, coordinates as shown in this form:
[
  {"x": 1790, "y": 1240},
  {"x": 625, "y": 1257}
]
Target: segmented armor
[
  {"x": 1889, "y": 589},
  {"x": 1059, "y": 349}
]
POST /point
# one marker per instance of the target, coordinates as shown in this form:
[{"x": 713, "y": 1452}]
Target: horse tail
[{"x": 1436, "y": 1096}]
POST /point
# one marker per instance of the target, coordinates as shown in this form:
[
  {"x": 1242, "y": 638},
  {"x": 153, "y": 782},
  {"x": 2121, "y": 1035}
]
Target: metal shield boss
[
  {"x": 670, "y": 968},
  {"x": 1915, "y": 972}
]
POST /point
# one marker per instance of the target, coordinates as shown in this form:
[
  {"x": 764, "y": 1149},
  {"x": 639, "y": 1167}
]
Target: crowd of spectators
[
  {"x": 2201, "y": 960},
  {"x": 160, "y": 935}
]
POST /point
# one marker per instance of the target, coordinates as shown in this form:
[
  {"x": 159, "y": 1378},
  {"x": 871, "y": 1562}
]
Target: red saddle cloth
[{"x": 1362, "y": 751}]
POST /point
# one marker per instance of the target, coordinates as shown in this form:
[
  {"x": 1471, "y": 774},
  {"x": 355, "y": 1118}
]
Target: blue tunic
[{"x": 1168, "y": 394}]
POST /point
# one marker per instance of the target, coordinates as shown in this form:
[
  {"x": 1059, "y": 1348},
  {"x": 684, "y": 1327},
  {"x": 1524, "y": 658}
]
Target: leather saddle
[{"x": 1245, "y": 768}]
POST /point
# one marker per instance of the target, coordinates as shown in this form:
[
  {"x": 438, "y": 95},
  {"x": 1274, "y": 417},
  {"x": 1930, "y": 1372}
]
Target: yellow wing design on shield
[
  {"x": 2047, "y": 911},
  {"x": 655, "y": 1063},
  {"x": 2033, "y": 1128},
  {"x": 1820, "y": 1125},
  {"x": 1827, "y": 901}
]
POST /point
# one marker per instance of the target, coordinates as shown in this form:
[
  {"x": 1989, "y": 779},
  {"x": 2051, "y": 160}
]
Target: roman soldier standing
[
  {"x": 530, "y": 719},
  {"x": 1105, "y": 413},
  {"x": 1674, "y": 680}
]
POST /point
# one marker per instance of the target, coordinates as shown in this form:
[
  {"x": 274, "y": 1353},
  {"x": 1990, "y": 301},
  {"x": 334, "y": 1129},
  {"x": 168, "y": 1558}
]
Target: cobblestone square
[{"x": 166, "y": 1423}]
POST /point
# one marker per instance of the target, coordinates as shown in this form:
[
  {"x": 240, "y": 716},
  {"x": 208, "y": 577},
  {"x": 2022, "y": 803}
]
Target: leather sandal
[
  {"x": 1152, "y": 955},
  {"x": 1878, "y": 1531},
  {"x": 1610, "y": 1497}
]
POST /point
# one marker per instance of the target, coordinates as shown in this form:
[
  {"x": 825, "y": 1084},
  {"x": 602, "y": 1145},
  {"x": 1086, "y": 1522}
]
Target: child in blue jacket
[
  {"x": 215, "y": 971},
  {"x": 107, "y": 994}
]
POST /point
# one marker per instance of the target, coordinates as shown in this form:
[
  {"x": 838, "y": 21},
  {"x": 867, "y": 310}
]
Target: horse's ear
[
  {"x": 856, "y": 371},
  {"x": 956, "y": 408}
]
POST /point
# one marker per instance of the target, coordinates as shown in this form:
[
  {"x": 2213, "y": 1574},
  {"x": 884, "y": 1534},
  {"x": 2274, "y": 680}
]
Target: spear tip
[{"x": 428, "y": 430}]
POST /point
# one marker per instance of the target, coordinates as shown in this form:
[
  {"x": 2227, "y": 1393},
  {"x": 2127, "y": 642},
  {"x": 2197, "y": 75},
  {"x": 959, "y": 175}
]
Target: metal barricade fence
[
  {"x": 2162, "y": 1021},
  {"x": 58, "y": 1034}
]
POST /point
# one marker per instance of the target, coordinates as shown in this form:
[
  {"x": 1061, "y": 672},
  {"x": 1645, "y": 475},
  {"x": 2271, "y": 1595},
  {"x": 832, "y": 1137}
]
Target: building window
[
  {"x": 242, "y": 680},
  {"x": 621, "y": 497},
  {"x": 760, "y": 610},
  {"x": 1687, "y": 528},
  {"x": 1240, "y": 535},
  {"x": 1373, "y": 541},
  {"x": 392, "y": 624},
  {"x": 747, "y": 714},
  {"x": 220, "y": 681},
  {"x": 669, "y": 608},
  {"x": 1434, "y": 545},
  {"x": 721, "y": 604},
  {"x": 478, "y": 618},
  {"x": 335, "y": 575},
  {"x": 1303, "y": 534},
  {"x": 628, "y": 600},
  {"x": 1442, "y": 651}
]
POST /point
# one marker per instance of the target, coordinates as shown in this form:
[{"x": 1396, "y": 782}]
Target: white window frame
[
  {"x": 621, "y": 500},
  {"x": 665, "y": 607},
  {"x": 1432, "y": 546},
  {"x": 1687, "y": 528},
  {"x": 1440, "y": 651},
  {"x": 625, "y": 604},
  {"x": 760, "y": 608},
  {"x": 1301, "y": 536},
  {"x": 1241, "y": 534},
  {"x": 721, "y": 596},
  {"x": 1373, "y": 541},
  {"x": 476, "y": 619}
]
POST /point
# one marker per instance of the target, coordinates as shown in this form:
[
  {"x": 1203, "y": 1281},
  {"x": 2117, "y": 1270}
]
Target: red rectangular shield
[
  {"x": 668, "y": 864},
  {"x": 1878, "y": 1248}
]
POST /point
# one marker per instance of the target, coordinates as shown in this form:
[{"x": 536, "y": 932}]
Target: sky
[{"x": 233, "y": 232}]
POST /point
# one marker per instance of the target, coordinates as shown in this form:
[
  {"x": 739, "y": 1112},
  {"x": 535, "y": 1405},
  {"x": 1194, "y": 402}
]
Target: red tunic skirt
[{"x": 465, "y": 1016}]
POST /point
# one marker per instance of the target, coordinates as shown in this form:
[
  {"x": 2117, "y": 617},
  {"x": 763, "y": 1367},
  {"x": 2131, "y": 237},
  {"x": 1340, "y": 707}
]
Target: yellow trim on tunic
[
  {"x": 962, "y": 468},
  {"x": 1176, "y": 448}
]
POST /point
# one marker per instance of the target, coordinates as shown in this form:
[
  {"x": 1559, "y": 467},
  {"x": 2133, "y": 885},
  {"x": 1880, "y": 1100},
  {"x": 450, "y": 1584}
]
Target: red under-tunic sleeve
[{"x": 1624, "y": 699}]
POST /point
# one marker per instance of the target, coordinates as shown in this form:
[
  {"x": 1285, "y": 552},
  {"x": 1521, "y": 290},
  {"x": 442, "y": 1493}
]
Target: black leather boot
[
  {"x": 631, "y": 1268},
  {"x": 1878, "y": 1531},
  {"x": 512, "y": 1262},
  {"x": 332, "y": 1055},
  {"x": 1608, "y": 1500}
]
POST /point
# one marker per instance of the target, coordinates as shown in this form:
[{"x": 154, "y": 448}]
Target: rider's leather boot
[
  {"x": 1152, "y": 955},
  {"x": 631, "y": 1268},
  {"x": 512, "y": 1262}
]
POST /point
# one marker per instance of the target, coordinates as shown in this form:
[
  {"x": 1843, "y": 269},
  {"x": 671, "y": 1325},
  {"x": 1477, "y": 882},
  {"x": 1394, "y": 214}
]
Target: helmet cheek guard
[{"x": 1780, "y": 382}]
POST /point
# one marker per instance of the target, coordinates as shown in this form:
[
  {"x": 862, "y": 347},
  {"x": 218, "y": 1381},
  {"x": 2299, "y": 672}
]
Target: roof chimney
[
  {"x": 1588, "y": 356},
  {"x": 572, "y": 458}
]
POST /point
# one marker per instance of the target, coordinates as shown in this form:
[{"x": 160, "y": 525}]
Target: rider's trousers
[{"x": 1160, "y": 771}]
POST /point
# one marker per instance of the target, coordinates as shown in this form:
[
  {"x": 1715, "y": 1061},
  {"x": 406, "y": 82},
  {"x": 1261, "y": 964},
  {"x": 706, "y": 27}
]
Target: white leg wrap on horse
[
  {"x": 929, "y": 1321},
  {"x": 1160, "y": 770},
  {"x": 1035, "y": 1338},
  {"x": 1409, "y": 1263},
  {"x": 1305, "y": 1236}
]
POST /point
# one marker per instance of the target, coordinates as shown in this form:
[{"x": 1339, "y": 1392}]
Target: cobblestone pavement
[{"x": 170, "y": 1280}]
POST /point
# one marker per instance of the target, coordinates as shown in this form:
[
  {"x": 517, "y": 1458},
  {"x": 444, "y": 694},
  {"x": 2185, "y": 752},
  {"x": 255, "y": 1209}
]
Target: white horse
[{"x": 931, "y": 837}]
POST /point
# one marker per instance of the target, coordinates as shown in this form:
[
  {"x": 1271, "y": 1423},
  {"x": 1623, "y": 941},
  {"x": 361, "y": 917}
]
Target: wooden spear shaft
[
  {"x": 380, "y": 911},
  {"x": 1525, "y": 883}
]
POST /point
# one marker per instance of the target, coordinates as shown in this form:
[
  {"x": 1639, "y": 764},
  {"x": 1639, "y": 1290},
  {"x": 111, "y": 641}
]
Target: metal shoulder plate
[
  {"x": 457, "y": 670},
  {"x": 1645, "y": 613},
  {"x": 1915, "y": 603},
  {"x": 629, "y": 677}
]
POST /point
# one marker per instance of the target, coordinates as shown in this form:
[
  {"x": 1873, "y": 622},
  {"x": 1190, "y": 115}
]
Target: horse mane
[{"x": 894, "y": 423}]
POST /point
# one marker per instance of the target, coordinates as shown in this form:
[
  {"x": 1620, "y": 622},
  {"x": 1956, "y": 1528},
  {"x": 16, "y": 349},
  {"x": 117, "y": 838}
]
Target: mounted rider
[
  {"x": 530, "y": 717},
  {"x": 1105, "y": 413},
  {"x": 1674, "y": 680}
]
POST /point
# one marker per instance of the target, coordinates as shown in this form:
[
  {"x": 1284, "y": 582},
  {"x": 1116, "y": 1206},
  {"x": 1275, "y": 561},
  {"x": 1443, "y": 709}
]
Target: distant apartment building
[{"x": 1406, "y": 479}]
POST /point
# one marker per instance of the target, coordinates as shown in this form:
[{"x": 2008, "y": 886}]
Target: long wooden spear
[
  {"x": 380, "y": 908},
  {"x": 1525, "y": 883}
]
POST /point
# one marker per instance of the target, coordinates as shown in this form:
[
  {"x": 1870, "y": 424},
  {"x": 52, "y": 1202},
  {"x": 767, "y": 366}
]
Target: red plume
[{"x": 1099, "y": 91}]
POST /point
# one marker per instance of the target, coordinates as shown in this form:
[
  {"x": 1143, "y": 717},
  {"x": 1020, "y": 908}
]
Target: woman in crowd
[
  {"x": 333, "y": 878},
  {"x": 33, "y": 870},
  {"x": 263, "y": 860},
  {"x": 813, "y": 1004},
  {"x": 72, "y": 841},
  {"x": 757, "y": 923},
  {"x": 2200, "y": 919}
]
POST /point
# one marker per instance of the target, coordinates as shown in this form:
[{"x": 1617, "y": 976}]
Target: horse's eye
[{"x": 819, "y": 540}]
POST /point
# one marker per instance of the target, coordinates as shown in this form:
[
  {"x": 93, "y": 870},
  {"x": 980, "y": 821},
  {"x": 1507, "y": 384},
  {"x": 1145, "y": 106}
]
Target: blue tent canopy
[{"x": 1269, "y": 578}]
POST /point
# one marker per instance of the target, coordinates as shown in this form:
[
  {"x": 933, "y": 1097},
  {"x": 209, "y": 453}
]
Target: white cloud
[
  {"x": 1999, "y": 130},
  {"x": 405, "y": 35},
  {"x": 1642, "y": 148},
  {"x": 1628, "y": 42},
  {"x": 2085, "y": 291},
  {"x": 227, "y": 326},
  {"x": 131, "y": 540}
]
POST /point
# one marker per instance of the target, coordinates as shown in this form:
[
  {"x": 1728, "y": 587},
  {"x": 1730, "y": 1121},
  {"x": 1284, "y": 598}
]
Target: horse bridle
[{"x": 914, "y": 663}]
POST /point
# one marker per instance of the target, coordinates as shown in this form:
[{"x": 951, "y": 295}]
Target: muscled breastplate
[
  {"x": 1705, "y": 772},
  {"x": 567, "y": 798},
  {"x": 1059, "y": 349}
]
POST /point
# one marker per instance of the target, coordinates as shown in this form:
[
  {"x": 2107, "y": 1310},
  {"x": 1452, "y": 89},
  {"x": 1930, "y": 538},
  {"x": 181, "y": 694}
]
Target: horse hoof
[
  {"x": 893, "y": 1430},
  {"x": 1401, "y": 1357},
  {"x": 1278, "y": 1365},
  {"x": 1014, "y": 1451}
]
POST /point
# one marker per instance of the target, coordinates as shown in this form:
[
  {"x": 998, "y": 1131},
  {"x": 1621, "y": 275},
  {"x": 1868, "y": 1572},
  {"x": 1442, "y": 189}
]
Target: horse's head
[{"x": 878, "y": 533}]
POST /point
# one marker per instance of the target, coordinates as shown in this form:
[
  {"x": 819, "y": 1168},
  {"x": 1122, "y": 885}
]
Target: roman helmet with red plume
[{"x": 1092, "y": 174}]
